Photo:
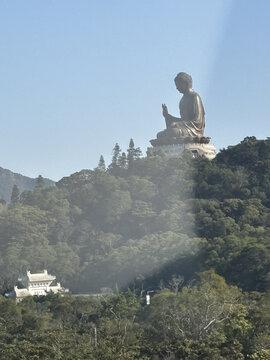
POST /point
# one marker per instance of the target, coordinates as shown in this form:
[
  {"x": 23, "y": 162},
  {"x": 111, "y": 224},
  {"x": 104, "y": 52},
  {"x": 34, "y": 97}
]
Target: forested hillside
[
  {"x": 144, "y": 219},
  {"x": 194, "y": 232}
]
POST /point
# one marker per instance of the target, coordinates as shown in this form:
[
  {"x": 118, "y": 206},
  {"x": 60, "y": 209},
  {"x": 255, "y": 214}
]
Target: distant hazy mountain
[{"x": 9, "y": 178}]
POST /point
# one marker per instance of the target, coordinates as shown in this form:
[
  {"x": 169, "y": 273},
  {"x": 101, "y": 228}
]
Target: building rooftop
[{"x": 44, "y": 276}]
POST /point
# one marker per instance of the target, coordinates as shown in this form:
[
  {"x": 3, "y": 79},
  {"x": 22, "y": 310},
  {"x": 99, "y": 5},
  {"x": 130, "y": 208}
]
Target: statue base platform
[{"x": 197, "y": 149}]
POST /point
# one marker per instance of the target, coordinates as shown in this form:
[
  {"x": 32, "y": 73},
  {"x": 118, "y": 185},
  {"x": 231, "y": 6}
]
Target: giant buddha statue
[{"x": 189, "y": 128}]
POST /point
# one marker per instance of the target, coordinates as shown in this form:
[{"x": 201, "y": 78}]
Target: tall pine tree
[
  {"x": 132, "y": 153},
  {"x": 116, "y": 156},
  {"x": 15, "y": 194},
  {"x": 101, "y": 164},
  {"x": 123, "y": 161}
]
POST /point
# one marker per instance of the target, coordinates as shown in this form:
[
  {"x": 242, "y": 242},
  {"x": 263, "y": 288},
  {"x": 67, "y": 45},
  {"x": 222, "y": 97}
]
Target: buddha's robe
[{"x": 191, "y": 123}]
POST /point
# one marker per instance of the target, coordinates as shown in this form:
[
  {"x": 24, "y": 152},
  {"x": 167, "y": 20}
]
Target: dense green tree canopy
[
  {"x": 148, "y": 224},
  {"x": 109, "y": 228}
]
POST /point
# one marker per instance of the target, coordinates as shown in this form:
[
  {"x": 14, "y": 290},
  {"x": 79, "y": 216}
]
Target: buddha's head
[{"x": 183, "y": 82}]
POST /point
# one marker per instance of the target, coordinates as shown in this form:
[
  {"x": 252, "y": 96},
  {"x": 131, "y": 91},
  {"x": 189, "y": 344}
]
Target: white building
[{"x": 36, "y": 284}]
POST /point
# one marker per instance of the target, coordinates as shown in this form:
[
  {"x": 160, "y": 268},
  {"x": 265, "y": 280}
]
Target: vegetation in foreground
[
  {"x": 144, "y": 224},
  {"x": 206, "y": 320}
]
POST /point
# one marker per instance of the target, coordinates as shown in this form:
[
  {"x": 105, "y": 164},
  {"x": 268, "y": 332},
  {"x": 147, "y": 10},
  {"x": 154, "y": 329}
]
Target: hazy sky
[{"x": 77, "y": 76}]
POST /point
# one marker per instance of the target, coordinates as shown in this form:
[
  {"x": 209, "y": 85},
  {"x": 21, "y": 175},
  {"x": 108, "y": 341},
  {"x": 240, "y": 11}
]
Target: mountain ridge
[{"x": 9, "y": 178}]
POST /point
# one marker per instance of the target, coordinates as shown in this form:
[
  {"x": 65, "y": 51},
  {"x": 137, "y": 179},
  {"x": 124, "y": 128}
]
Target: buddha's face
[{"x": 181, "y": 86}]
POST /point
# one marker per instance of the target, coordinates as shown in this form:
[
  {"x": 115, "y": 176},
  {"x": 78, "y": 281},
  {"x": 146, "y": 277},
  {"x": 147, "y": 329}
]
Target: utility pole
[{"x": 95, "y": 336}]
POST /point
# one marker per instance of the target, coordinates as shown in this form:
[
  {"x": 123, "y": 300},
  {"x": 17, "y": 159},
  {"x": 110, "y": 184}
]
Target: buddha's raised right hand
[{"x": 165, "y": 110}]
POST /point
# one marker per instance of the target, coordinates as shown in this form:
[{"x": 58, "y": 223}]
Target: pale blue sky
[{"x": 78, "y": 76}]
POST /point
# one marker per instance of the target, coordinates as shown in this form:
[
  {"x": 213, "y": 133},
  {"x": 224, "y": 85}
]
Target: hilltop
[
  {"x": 191, "y": 233},
  {"x": 142, "y": 220}
]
